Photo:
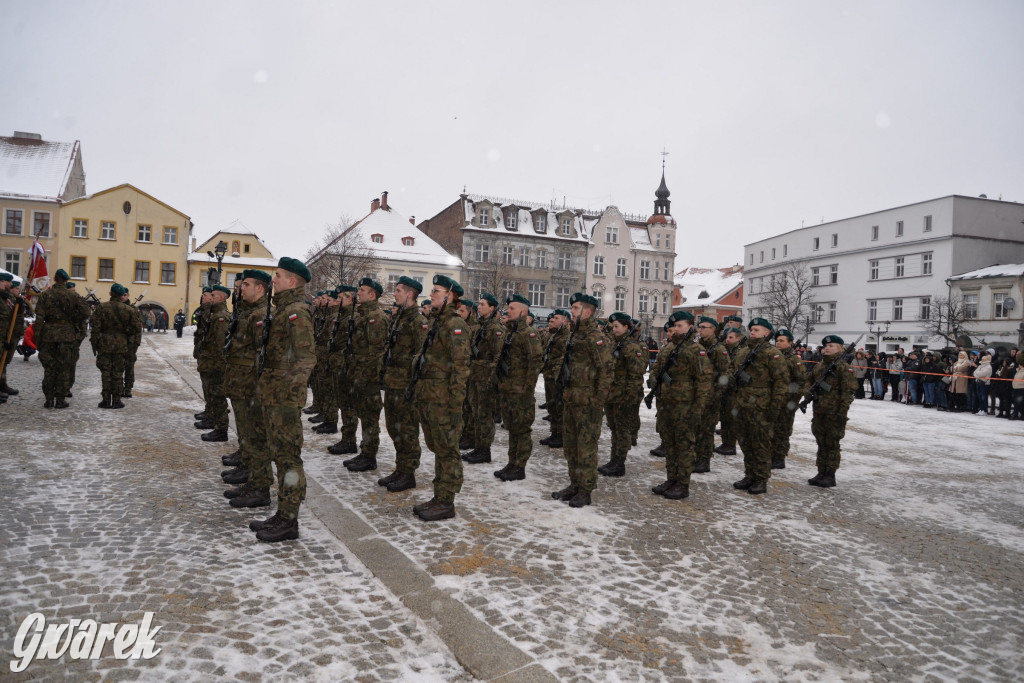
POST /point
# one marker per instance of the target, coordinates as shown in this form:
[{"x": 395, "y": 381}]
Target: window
[
  {"x": 815, "y": 277},
  {"x": 819, "y": 314},
  {"x": 512, "y": 218},
  {"x": 508, "y": 256},
  {"x": 108, "y": 230},
  {"x": 420, "y": 279},
  {"x": 12, "y": 261},
  {"x": 897, "y": 309},
  {"x": 664, "y": 304},
  {"x": 392, "y": 281},
  {"x": 654, "y": 303},
  {"x": 81, "y": 228},
  {"x": 567, "y": 226},
  {"x": 620, "y": 301},
  {"x": 668, "y": 241},
  {"x": 773, "y": 253},
  {"x": 833, "y": 275},
  {"x": 816, "y": 243},
  {"x": 832, "y": 312},
  {"x": 106, "y": 269},
  {"x": 645, "y": 270},
  {"x": 657, "y": 240},
  {"x": 540, "y": 223},
  {"x": 599, "y": 295},
  {"x": 561, "y": 297},
  {"x": 611, "y": 235},
  {"x": 537, "y": 293},
  {"x": 971, "y": 306},
  {"x": 377, "y": 238},
  {"x": 77, "y": 267},
  {"x": 926, "y": 264},
  {"x": 999, "y": 305},
  {"x": 785, "y": 250},
  {"x": 599, "y": 265},
  {"x": 485, "y": 217},
  {"x": 901, "y": 266},
  {"x": 524, "y": 258},
  {"x": 899, "y": 228},
  {"x": 761, "y": 259},
  {"x": 508, "y": 288},
  {"x": 835, "y": 239},
  {"x": 873, "y": 268},
  {"x": 167, "y": 273},
  {"x": 408, "y": 241},
  {"x": 41, "y": 223},
  {"x": 171, "y": 236},
  {"x": 482, "y": 252},
  {"x": 642, "y": 307},
  {"x": 12, "y": 222},
  {"x": 542, "y": 259},
  {"x": 927, "y": 224},
  {"x": 872, "y": 310},
  {"x": 146, "y": 233},
  {"x": 926, "y": 307},
  {"x": 142, "y": 271},
  {"x": 564, "y": 260},
  {"x": 874, "y": 233},
  {"x": 751, "y": 258},
  {"x": 657, "y": 270}
]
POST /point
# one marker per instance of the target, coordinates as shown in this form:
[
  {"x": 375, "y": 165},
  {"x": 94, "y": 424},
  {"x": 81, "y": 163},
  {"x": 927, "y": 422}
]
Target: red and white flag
[{"x": 37, "y": 266}]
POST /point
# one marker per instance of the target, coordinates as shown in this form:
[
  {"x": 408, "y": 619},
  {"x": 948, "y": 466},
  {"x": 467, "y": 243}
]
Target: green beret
[
  {"x": 6, "y": 277},
  {"x": 783, "y": 332},
  {"x": 619, "y": 316},
  {"x": 70, "y": 285},
  {"x": 760, "y": 321},
  {"x": 61, "y": 274},
  {"x": 410, "y": 283},
  {"x": 345, "y": 289},
  {"x": 634, "y": 321},
  {"x": 118, "y": 290},
  {"x": 207, "y": 290},
  {"x": 294, "y": 265},
  {"x": 707, "y": 319},
  {"x": 561, "y": 312},
  {"x": 467, "y": 303},
  {"x": 221, "y": 288},
  {"x": 489, "y": 298},
  {"x": 735, "y": 319},
  {"x": 372, "y": 284},
  {"x": 517, "y": 298},
  {"x": 425, "y": 302},
  {"x": 585, "y": 298},
  {"x": 331, "y": 293},
  {"x": 445, "y": 281},
  {"x": 666, "y": 326},
  {"x": 254, "y": 274},
  {"x": 833, "y": 339},
  {"x": 680, "y": 315}
]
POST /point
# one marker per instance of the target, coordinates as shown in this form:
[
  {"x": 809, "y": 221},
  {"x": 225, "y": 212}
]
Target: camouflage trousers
[
  {"x": 129, "y": 367},
  {"x": 781, "y": 431},
  {"x": 556, "y": 409},
  {"x": 483, "y": 398},
  {"x": 216, "y": 401},
  {"x": 283, "y": 429},
  {"x": 318, "y": 381},
  {"x": 111, "y": 367},
  {"x": 252, "y": 438},
  {"x": 468, "y": 432},
  {"x": 367, "y": 404},
  {"x": 441, "y": 432},
  {"x": 755, "y": 437},
  {"x": 634, "y": 417},
  {"x": 728, "y": 417},
  {"x": 518, "y": 412},
  {"x": 705, "y": 447},
  {"x": 58, "y": 360},
  {"x": 402, "y": 421},
  {"x": 680, "y": 439},
  {"x": 828, "y": 431},
  {"x": 621, "y": 425},
  {"x": 340, "y": 398},
  {"x": 580, "y": 433}
]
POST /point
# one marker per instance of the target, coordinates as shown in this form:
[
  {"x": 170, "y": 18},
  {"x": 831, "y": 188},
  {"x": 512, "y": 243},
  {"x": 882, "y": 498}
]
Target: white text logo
[{"x": 81, "y": 639}]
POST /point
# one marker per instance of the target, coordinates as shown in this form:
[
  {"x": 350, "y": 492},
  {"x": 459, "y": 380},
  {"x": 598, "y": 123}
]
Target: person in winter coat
[
  {"x": 912, "y": 371},
  {"x": 879, "y": 377},
  {"x": 1001, "y": 391},
  {"x": 960, "y": 371},
  {"x": 1017, "y": 387},
  {"x": 894, "y": 364},
  {"x": 860, "y": 372},
  {"x": 179, "y": 322},
  {"x": 982, "y": 379},
  {"x": 27, "y": 347},
  {"x": 931, "y": 381}
]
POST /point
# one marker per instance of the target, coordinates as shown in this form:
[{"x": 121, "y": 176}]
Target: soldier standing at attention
[
  {"x": 318, "y": 378},
  {"x": 628, "y": 366},
  {"x": 797, "y": 385},
  {"x": 6, "y": 312},
  {"x": 734, "y": 341},
  {"x": 519, "y": 363},
  {"x": 113, "y": 323},
  {"x": 16, "y": 300},
  {"x": 762, "y": 389},
  {"x": 830, "y": 408},
  {"x": 482, "y": 390},
  {"x": 467, "y": 311},
  {"x": 368, "y": 335},
  {"x": 281, "y": 388},
  {"x": 240, "y": 385},
  {"x": 340, "y": 396},
  {"x": 588, "y": 365},
  {"x": 202, "y": 316},
  {"x": 134, "y": 341},
  {"x": 425, "y": 308},
  {"x": 659, "y": 416},
  {"x": 60, "y": 313},
  {"x": 718, "y": 356},
  {"x": 405, "y": 339},
  {"x": 211, "y": 364},
  {"x": 634, "y": 415},
  {"x": 438, "y": 386},
  {"x": 559, "y": 327}
]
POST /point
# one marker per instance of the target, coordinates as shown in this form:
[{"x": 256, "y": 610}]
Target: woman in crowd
[
  {"x": 982, "y": 377},
  {"x": 895, "y": 366},
  {"x": 959, "y": 370},
  {"x": 1017, "y": 386},
  {"x": 879, "y": 377},
  {"x": 1002, "y": 391},
  {"x": 860, "y": 371}
]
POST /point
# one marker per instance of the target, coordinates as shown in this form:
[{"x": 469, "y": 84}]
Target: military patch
[
  {"x": 293, "y": 316},
  {"x": 638, "y": 354},
  {"x": 600, "y": 342},
  {"x": 498, "y": 333},
  {"x": 704, "y": 354},
  {"x": 259, "y": 323},
  {"x": 425, "y": 326},
  {"x": 778, "y": 356},
  {"x": 458, "y": 331},
  {"x": 532, "y": 335},
  {"x": 372, "y": 321}
]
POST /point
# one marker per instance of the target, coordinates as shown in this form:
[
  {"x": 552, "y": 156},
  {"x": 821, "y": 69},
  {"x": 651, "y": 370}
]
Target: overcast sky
[{"x": 289, "y": 115}]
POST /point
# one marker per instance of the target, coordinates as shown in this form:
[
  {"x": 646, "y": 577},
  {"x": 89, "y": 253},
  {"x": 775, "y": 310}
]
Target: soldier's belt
[{"x": 247, "y": 362}]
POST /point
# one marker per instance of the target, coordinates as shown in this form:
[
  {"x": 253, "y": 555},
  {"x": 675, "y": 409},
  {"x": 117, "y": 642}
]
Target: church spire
[{"x": 662, "y": 214}]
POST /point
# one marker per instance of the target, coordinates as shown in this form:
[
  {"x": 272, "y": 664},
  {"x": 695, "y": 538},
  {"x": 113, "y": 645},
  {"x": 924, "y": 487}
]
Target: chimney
[
  {"x": 28, "y": 136},
  {"x": 384, "y": 200},
  {"x": 375, "y": 204},
  {"x": 412, "y": 220}
]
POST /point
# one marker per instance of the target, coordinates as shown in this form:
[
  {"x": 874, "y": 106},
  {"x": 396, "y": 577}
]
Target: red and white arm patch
[{"x": 458, "y": 331}]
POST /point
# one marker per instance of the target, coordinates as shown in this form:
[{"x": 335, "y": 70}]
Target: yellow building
[
  {"x": 127, "y": 236},
  {"x": 242, "y": 249}
]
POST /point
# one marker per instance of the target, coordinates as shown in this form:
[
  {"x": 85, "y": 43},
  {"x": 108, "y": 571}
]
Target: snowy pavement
[{"x": 910, "y": 569}]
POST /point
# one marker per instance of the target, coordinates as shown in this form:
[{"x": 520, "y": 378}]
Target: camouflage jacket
[
  {"x": 629, "y": 363},
  {"x": 113, "y": 322},
  {"x": 590, "y": 369},
  {"x": 525, "y": 356},
  {"x": 323, "y": 325},
  {"x": 554, "y": 351},
  {"x": 370, "y": 333},
  {"x": 797, "y": 374},
  {"x": 7, "y": 303},
  {"x": 768, "y": 387},
  {"x": 691, "y": 373},
  {"x": 135, "y": 338},
  {"x": 211, "y": 356},
  {"x": 202, "y": 319},
  {"x": 338, "y": 339},
  {"x": 407, "y": 331},
  {"x": 442, "y": 381},
  {"x": 290, "y": 355},
  {"x": 240, "y": 358},
  {"x": 718, "y": 355},
  {"x": 659, "y": 361},
  {"x": 59, "y": 315},
  {"x": 836, "y": 401},
  {"x": 485, "y": 349}
]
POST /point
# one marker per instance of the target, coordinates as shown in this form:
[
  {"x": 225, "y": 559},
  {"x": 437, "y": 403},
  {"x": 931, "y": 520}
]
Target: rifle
[
  {"x": 91, "y": 298},
  {"x": 474, "y": 348},
  {"x": 348, "y": 342},
  {"x": 821, "y": 385},
  {"x": 421, "y": 360},
  {"x": 202, "y": 335},
  {"x": 503, "y": 368},
  {"x": 564, "y": 374},
  {"x": 233, "y": 325},
  {"x": 664, "y": 379},
  {"x": 268, "y": 320},
  {"x": 392, "y": 340}
]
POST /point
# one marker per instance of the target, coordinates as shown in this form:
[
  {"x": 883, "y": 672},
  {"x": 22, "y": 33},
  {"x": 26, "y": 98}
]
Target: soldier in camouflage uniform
[
  {"x": 683, "y": 388},
  {"x": 718, "y": 355},
  {"x": 341, "y": 341},
  {"x": 240, "y": 385},
  {"x": 830, "y": 408},
  {"x": 113, "y": 323},
  {"x": 660, "y": 415},
  {"x": 467, "y": 311},
  {"x": 405, "y": 339},
  {"x": 734, "y": 341},
  {"x": 8, "y": 323},
  {"x": 370, "y": 332},
  {"x": 797, "y": 384},
  {"x": 134, "y": 342},
  {"x": 519, "y": 364},
  {"x": 202, "y": 316},
  {"x": 762, "y": 389},
  {"x": 211, "y": 364},
  {"x": 281, "y": 388},
  {"x": 439, "y": 385},
  {"x": 628, "y": 366},
  {"x": 482, "y": 390},
  {"x": 587, "y": 380},
  {"x": 318, "y": 380},
  {"x": 634, "y": 415},
  {"x": 559, "y": 328},
  {"x": 60, "y": 313},
  {"x": 24, "y": 309}
]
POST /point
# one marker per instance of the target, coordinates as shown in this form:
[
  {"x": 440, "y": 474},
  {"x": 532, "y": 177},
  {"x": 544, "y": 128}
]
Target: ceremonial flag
[{"x": 38, "y": 276}]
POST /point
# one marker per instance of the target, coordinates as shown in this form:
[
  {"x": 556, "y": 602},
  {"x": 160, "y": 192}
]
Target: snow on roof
[
  {"x": 1009, "y": 270},
  {"x": 393, "y": 228},
  {"x": 641, "y": 239},
  {"x": 248, "y": 261},
  {"x": 701, "y": 286},
  {"x": 237, "y": 227},
  {"x": 525, "y": 218},
  {"x": 35, "y": 169}
]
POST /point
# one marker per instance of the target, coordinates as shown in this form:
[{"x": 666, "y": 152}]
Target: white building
[
  {"x": 992, "y": 301},
  {"x": 878, "y": 273}
]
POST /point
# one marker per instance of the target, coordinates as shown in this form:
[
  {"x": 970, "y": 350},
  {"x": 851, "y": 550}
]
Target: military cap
[
  {"x": 260, "y": 275},
  {"x": 207, "y": 290},
  {"x": 735, "y": 319},
  {"x": 445, "y": 281},
  {"x": 833, "y": 339},
  {"x": 331, "y": 293},
  {"x": 634, "y": 321},
  {"x": 70, "y": 285},
  {"x": 410, "y": 283},
  {"x": 343, "y": 289},
  {"x": 118, "y": 290},
  {"x": 372, "y": 284},
  {"x": 489, "y": 298},
  {"x": 425, "y": 302},
  {"x": 294, "y": 265},
  {"x": 517, "y": 298},
  {"x": 562, "y": 312},
  {"x": 221, "y": 288},
  {"x": 468, "y": 304},
  {"x": 61, "y": 274},
  {"x": 707, "y": 319},
  {"x": 760, "y": 322},
  {"x": 585, "y": 298},
  {"x": 680, "y": 315},
  {"x": 783, "y": 332},
  {"x": 619, "y": 316},
  {"x": 666, "y": 326},
  {"x": 6, "y": 277}
]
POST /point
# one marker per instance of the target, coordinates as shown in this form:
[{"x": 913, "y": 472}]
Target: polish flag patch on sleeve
[
  {"x": 600, "y": 342},
  {"x": 498, "y": 333},
  {"x": 532, "y": 335},
  {"x": 372, "y": 321},
  {"x": 293, "y": 316},
  {"x": 458, "y": 331},
  {"x": 259, "y": 323}
]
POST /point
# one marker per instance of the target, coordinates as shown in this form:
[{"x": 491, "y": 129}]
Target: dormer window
[
  {"x": 512, "y": 218},
  {"x": 540, "y": 223},
  {"x": 377, "y": 238},
  {"x": 484, "y": 214},
  {"x": 408, "y": 241},
  {"x": 567, "y": 226}
]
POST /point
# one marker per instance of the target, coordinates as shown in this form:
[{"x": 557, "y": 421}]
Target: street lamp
[
  {"x": 877, "y": 331},
  {"x": 218, "y": 253}
]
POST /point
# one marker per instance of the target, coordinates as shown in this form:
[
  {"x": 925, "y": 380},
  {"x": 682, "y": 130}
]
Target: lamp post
[
  {"x": 877, "y": 331},
  {"x": 218, "y": 253}
]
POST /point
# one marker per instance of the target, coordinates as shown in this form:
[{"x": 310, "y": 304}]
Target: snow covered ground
[{"x": 910, "y": 569}]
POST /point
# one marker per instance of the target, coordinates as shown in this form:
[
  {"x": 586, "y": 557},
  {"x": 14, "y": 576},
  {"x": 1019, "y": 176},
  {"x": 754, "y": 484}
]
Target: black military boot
[
  {"x": 311, "y": 410},
  {"x": 580, "y": 499},
  {"x": 613, "y": 468},
  {"x": 634, "y": 440},
  {"x": 205, "y": 423},
  {"x": 658, "y": 451},
  {"x": 402, "y": 482},
  {"x": 252, "y": 498},
  {"x": 235, "y": 492},
  {"x": 437, "y": 512},
  {"x": 200, "y": 415},
  {"x": 478, "y": 456},
  {"x": 547, "y": 418},
  {"x": 258, "y": 524},
  {"x": 565, "y": 494},
  {"x": 282, "y": 530},
  {"x": 232, "y": 459},
  {"x": 49, "y": 403},
  {"x": 500, "y": 474},
  {"x": 778, "y": 463},
  {"x": 677, "y": 491},
  {"x": 743, "y": 484},
  {"x": 758, "y": 486},
  {"x": 343, "y": 448},
  {"x": 662, "y": 487},
  {"x": 215, "y": 435},
  {"x": 127, "y": 393},
  {"x": 554, "y": 442},
  {"x": 514, "y": 473},
  {"x": 60, "y": 403},
  {"x": 543, "y": 406},
  {"x": 364, "y": 463},
  {"x": 326, "y": 428},
  {"x": 69, "y": 394},
  {"x": 316, "y": 419},
  {"x": 104, "y": 402},
  {"x": 702, "y": 466},
  {"x": 239, "y": 475},
  {"x": 116, "y": 402},
  {"x": 8, "y": 390},
  {"x": 384, "y": 481},
  {"x": 725, "y": 450},
  {"x": 420, "y": 507},
  {"x": 825, "y": 481},
  {"x": 466, "y": 443}
]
